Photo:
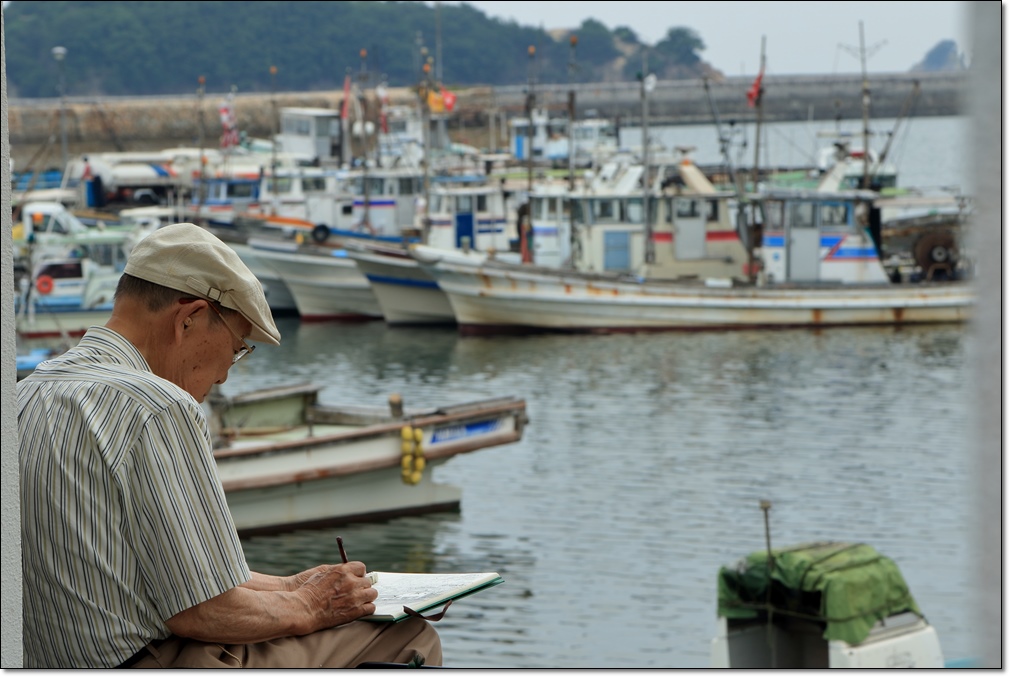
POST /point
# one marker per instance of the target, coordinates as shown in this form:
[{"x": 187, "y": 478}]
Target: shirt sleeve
[{"x": 177, "y": 516}]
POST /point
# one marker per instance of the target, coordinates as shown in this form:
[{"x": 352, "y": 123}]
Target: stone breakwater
[{"x": 144, "y": 123}]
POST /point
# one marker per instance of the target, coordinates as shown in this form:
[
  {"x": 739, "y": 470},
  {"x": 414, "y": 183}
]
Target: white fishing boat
[
  {"x": 287, "y": 462},
  {"x": 65, "y": 272},
  {"x": 465, "y": 216},
  {"x": 817, "y": 266},
  {"x": 323, "y": 281}
]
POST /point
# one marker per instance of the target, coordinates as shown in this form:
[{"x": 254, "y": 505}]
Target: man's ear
[{"x": 184, "y": 313}]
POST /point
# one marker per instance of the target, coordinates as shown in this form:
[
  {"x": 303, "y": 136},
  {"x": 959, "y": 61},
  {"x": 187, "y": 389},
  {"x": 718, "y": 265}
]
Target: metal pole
[
  {"x": 60, "y": 53},
  {"x": 202, "y": 160},
  {"x": 363, "y": 78},
  {"x": 273, "y": 142},
  {"x": 571, "y": 112},
  {"x": 648, "y": 81}
]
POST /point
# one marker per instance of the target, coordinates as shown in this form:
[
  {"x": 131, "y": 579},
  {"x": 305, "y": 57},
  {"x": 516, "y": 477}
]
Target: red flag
[
  {"x": 347, "y": 97},
  {"x": 754, "y": 93},
  {"x": 448, "y": 98}
]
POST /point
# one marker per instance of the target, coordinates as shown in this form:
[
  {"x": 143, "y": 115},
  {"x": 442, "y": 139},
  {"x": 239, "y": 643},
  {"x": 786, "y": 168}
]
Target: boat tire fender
[
  {"x": 321, "y": 233},
  {"x": 44, "y": 284}
]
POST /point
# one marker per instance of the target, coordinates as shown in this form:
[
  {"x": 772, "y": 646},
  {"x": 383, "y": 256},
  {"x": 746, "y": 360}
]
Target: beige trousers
[{"x": 344, "y": 646}]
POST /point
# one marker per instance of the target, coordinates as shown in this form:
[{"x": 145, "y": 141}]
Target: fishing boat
[
  {"x": 323, "y": 281},
  {"x": 468, "y": 216},
  {"x": 286, "y": 461},
  {"x": 812, "y": 261},
  {"x": 65, "y": 273}
]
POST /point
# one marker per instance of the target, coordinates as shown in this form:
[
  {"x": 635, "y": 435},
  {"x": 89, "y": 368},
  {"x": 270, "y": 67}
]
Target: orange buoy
[{"x": 44, "y": 284}]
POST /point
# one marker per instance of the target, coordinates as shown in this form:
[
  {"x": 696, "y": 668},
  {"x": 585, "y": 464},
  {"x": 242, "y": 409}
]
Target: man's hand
[{"x": 337, "y": 593}]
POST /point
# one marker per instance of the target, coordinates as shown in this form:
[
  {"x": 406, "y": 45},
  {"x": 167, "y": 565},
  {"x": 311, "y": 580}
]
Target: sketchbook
[{"x": 423, "y": 592}]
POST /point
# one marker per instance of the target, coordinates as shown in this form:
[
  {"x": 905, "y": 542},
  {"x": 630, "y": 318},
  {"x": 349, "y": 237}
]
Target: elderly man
[{"x": 130, "y": 555}]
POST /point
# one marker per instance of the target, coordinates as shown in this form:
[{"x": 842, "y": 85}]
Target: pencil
[{"x": 340, "y": 544}]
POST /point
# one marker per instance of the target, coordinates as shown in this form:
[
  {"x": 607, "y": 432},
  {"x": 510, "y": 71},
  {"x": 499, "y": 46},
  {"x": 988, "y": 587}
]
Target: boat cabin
[
  {"x": 813, "y": 236},
  {"x": 387, "y": 200},
  {"x": 601, "y": 227},
  {"x": 311, "y": 133},
  {"x": 470, "y": 215}
]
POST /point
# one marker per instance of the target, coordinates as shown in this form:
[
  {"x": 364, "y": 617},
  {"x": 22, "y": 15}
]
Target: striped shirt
[{"x": 123, "y": 519}]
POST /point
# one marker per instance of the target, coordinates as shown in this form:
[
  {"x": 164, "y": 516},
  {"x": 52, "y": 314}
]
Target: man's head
[
  {"x": 189, "y": 304},
  {"x": 188, "y": 258}
]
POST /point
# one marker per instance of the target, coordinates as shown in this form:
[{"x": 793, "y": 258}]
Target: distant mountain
[
  {"x": 121, "y": 47},
  {"x": 943, "y": 58}
]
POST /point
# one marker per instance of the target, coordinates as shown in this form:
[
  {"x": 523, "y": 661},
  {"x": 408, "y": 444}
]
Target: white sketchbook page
[{"x": 420, "y": 590}]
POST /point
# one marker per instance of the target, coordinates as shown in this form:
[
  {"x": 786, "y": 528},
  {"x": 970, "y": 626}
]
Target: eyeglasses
[{"x": 246, "y": 348}]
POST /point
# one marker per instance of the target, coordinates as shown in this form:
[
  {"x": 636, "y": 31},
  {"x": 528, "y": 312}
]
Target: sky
[{"x": 800, "y": 37}]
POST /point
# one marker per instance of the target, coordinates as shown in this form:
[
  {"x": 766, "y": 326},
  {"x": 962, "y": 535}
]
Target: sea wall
[{"x": 142, "y": 123}]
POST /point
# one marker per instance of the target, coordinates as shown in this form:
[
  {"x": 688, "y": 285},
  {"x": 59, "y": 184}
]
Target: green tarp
[{"x": 848, "y": 586}]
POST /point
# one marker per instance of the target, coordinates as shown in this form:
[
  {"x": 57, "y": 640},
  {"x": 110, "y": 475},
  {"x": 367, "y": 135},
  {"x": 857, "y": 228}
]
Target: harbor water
[{"x": 641, "y": 472}]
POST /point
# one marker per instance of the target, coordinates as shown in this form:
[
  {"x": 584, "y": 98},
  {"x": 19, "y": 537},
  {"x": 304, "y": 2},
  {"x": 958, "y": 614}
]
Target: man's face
[{"x": 212, "y": 349}]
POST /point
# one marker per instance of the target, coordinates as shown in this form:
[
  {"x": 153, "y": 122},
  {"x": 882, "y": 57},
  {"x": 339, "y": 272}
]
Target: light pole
[{"x": 60, "y": 53}]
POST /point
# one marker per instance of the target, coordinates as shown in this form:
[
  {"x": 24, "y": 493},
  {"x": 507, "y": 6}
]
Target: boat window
[
  {"x": 566, "y": 209},
  {"x": 633, "y": 210},
  {"x": 580, "y": 215},
  {"x": 604, "y": 210},
  {"x": 406, "y": 185},
  {"x": 375, "y": 186},
  {"x": 313, "y": 184},
  {"x": 713, "y": 210},
  {"x": 298, "y": 127},
  {"x": 687, "y": 208},
  {"x": 281, "y": 184},
  {"x": 62, "y": 271},
  {"x": 801, "y": 215},
  {"x": 464, "y": 204},
  {"x": 482, "y": 203},
  {"x": 242, "y": 190},
  {"x": 772, "y": 212},
  {"x": 834, "y": 215}
]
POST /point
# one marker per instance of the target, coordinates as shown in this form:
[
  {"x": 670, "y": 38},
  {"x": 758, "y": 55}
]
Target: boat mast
[
  {"x": 866, "y": 111},
  {"x": 759, "y": 105},
  {"x": 572, "y": 41},
  {"x": 648, "y": 83},
  {"x": 203, "y": 162}
]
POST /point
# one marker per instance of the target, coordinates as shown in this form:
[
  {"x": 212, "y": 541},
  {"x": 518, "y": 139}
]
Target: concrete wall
[{"x": 118, "y": 121}]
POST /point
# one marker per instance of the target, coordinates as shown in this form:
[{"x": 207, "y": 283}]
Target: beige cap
[{"x": 188, "y": 258}]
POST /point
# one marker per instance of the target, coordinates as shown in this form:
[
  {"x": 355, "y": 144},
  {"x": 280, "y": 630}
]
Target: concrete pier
[{"x": 145, "y": 123}]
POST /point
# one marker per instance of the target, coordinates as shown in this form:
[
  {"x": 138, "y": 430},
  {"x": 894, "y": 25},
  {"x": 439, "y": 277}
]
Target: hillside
[{"x": 156, "y": 47}]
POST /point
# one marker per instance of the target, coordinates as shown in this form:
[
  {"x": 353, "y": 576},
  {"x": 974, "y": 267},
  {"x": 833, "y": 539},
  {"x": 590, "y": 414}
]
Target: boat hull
[
  {"x": 406, "y": 293},
  {"x": 278, "y": 295},
  {"x": 338, "y": 469},
  {"x": 45, "y": 323},
  {"x": 325, "y": 286},
  {"x": 496, "y": 298}
]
